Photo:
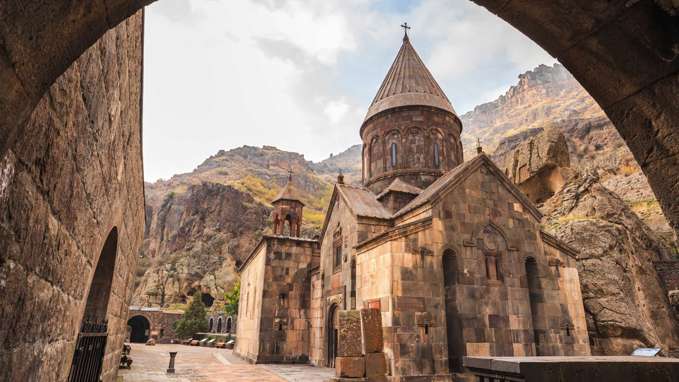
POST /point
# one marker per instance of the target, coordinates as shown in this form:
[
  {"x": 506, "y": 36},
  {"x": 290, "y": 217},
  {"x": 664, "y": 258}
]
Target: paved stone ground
[{"x": 204, "y": 364}]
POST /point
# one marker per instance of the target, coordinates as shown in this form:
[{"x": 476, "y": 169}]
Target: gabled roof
[
  {"x": 400, "y": 186},
  {"x": 457, "y": 175},
  {"x": 360, "y": 201},
  {"x": 288, "y": 192},
  {"x": 408, "y": 82}
]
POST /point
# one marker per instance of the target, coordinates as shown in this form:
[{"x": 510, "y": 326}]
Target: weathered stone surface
[
  {"x": 349, "y": 342},
  {"x": 539, "y": 165},
  {"x": 193, "y": 241},
  {"x": 350, "y": 367},
  {"x": 371, "y": 330},
  {"x": 72, "y": 176},
  {"x": 625, "y": 302},
  {"x": 375, "y": 365},
  {"x": 550, "y": 98}
]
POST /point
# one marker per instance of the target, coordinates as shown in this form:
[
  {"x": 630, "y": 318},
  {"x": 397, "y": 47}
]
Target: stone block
[
  {"x": 371, "y": 330},
  {"x": 349, "y": 342},
  {"x": 350, "y": 367},
  {"x": 375, "y": 365}
]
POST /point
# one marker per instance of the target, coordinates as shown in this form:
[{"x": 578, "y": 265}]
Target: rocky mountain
[
  {"x": 626, "y": 305},
  {"x": 548, "y": 97},
  {"x": 199, "y": 224},
  {"x": 348, "y": 162}
]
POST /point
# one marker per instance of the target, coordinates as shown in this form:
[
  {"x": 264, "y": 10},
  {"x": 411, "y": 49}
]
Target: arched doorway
[
  {"x": 210, "y": 324},
  {"x": 228, "y": 325},
  {"x": 140, "y": 329},
  {"x": 89, "y": 350},
  {"x": 207, "y": 299},
  {"x": 453, "y": 323},
  {"x": 219, "y": 325},
  {"x": 332, "y": 334}
]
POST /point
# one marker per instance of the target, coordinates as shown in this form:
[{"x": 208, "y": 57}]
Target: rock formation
[
  {"x": 548, "y": 97},
  {"x": 538, "y": 164},
  {"x": 199, "y": 224},
  {"x": 625, "y": 302},
  {"x": 194, "y": 240}
]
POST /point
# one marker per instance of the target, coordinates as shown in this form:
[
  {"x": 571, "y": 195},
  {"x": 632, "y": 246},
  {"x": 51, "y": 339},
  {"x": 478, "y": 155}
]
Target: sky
[{"x": 300, "y": 75}]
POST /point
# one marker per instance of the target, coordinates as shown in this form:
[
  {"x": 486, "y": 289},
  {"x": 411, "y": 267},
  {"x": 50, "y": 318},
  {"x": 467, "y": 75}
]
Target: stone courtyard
[{"x": 194, "y": 363}]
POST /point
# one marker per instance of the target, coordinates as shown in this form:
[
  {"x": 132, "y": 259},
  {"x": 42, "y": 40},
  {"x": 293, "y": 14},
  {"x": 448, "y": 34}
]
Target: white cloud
[
  {"x": 300, "y": 74},
  {"x": 336, "y": 110}
]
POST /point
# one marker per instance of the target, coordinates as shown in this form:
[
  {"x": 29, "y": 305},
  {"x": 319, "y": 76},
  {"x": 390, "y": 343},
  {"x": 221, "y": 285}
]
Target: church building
[{"x": 450, "y": 252}]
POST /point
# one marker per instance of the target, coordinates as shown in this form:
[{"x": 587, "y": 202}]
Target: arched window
[
  {"x": 394, "y": 154},
  {"x": 337, "y": 249},
  {"x": 437, "y": 155},
  {"x": 375, "y": 157},
  {"x": 287, "y": 226},
  {"x": 219, "y": 325},
  {"x": 535, "y": 297},
  {"x": 449, "y": 268},
  {"x": 210, "y": 325}
]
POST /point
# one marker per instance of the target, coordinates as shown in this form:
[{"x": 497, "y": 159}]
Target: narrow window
[
  {"x": 437, "y": 155},
  {"x": 394, "y": 152},
  {"x": 337, "y": 249}
]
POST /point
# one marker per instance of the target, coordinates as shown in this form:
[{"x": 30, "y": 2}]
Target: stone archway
[
  {"x": 140, "y": 329},
  {"x": 88, "y": 355},
  {"x": 331, "y": 335}
]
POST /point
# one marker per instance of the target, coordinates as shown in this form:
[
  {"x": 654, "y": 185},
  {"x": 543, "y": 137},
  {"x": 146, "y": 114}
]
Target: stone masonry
[{"x": 72, "y": 180}]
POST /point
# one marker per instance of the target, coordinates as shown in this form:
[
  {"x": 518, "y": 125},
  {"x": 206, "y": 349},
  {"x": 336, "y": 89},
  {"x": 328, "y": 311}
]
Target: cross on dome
[{"x": 405, "y": 27}]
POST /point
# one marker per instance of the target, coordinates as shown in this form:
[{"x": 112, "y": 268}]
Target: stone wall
[
  {"x": 72, "y": 178},
  {"x": 471, "y": 274},
  {"x": 284, "y": 328},
  {"x": 316, "y": 315},
  {"x": 161, "y": 322},
  {"x": 250, "y": 305},
  {"x": 410, "y": 128}
]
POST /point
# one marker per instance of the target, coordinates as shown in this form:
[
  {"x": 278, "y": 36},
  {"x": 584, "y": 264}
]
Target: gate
[{"x": 89, "y": 352}]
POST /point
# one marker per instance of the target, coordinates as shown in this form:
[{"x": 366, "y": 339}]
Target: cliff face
[
  {"x": 193, "y": 241},
  {"x": 549, "y": 98},
  {"x": 625, "y": 302},
  {"x": 199, "y": 224}
]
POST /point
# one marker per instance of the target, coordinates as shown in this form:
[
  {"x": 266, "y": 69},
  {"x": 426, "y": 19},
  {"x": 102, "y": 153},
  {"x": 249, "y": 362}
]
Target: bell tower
[
  {"x": 287, "y": 213},
  {"x": 411, "y": 131}
]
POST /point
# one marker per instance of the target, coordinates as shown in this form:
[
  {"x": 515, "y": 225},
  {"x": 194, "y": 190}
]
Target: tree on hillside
[
  {"x": 194, "y": 320},
  {"x": 231, "y": 299}
]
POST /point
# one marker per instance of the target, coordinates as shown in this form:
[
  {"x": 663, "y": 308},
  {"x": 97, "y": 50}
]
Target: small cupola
[{"x": 287, "y": 213}]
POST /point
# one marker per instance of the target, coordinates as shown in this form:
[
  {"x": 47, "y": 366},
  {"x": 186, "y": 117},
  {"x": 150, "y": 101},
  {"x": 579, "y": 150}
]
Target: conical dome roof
[
  {"x": 289, "y": 192},
  {"x": 408, "y": 82}
]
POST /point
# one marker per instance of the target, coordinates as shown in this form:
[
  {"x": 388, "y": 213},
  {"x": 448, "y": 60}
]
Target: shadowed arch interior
[
  {"x": 100, "y": 289},
  {"x": 140, "y": 329},
  {"x": 453, "y": 324}
]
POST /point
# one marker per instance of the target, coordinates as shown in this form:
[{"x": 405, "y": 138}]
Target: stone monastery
[{"x": 450, "y": 252}]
